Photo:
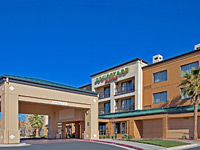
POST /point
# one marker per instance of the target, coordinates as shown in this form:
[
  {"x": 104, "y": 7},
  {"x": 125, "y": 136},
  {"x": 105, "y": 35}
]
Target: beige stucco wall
[
  {"x": 134, "y": 73},
  {"x": 20, "y": 98}
]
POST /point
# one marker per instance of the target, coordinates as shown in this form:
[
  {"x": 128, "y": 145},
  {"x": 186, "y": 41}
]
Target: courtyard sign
[{"x": 112, "y": 76}]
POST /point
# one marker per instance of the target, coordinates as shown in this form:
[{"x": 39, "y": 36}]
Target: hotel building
[
  {"x": 145, "y": 100},
  {"x": 119, "y": 87}
]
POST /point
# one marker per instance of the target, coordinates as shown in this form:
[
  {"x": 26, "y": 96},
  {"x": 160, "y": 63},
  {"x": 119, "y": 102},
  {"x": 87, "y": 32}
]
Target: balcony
[
  {"x": 104, "y": 94},
  {"x": 104, "y": 110},
  {"x": 124, "y": 89},
  {"x": 124, "y": 108}
]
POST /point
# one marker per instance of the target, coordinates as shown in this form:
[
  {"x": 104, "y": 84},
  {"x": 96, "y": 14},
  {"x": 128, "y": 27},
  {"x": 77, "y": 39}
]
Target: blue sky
[
  {"x": 22, "y": 117},
  {"x": 67, "y": 40}
]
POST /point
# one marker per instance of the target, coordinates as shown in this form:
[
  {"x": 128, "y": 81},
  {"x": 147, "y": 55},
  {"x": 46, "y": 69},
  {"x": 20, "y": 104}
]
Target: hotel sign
[
  {"x": 59, "y": 103},
  {"x": 112, "y": 76}
]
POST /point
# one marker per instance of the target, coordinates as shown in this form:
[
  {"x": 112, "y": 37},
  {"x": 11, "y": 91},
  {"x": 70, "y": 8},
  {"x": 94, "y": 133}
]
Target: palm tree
[
  {"x": 191, "y": 85},
  {"x": 36, "y": 122}
]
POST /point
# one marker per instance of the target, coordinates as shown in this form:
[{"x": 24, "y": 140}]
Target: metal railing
[
  {"x": 124, "y": 108},
  {"x": 104, "y": 110},
  {"x": 104, "y": 94},
  {"x": 124, "y": 89}
]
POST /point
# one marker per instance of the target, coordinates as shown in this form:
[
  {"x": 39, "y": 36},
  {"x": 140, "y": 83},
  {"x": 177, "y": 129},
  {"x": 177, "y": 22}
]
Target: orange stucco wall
[{"x": 174, "y": 78}]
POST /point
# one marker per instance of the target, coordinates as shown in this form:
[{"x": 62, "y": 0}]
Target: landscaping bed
[{"x": 159, "y": 142}]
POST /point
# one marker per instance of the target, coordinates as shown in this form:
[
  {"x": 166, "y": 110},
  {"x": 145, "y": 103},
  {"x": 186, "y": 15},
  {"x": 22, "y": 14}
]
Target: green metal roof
[
  {"x": 171, "y": 110},
  {"x": 45, "y": 82}
]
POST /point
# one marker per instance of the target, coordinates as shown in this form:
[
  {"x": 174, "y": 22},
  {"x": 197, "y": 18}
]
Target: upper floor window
[
  {"x": 184, "y": 96},
  {"x": 107, "y": 108},
  {"x": 126, "y": 102},
  {"x": 187, "y": 68},
  {"x": 160, "y": 97},
  {"x": 107, "y": 91},
  {"x": 160, "y": 76},
  {"x": 126, "y": 85}
]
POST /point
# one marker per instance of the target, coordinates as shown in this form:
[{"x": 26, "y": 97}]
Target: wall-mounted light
[{"x": 87, "y": 112}]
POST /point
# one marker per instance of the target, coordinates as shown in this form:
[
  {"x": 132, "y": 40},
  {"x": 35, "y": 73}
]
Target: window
[
  {"x": 160, "y": 76},
  {"x": 102, "y": 129},
  {"x": 106, "y": 108},
  {"x": 107, "y": 92},
  {"x": 160, "y": 97},
  {"x": 126, "y": 86},
  {"x": 126, "y": 105},
  {"x": 117, "y": 127},
  {"x": 123, "y": 128},
  {"x": 184, "y": 96},
  {"x": 187, "y": 68},
  {"x": 127, "y": 102}
]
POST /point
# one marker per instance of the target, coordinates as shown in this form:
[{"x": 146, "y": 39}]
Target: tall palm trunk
[{"x": 195, "y": 121}]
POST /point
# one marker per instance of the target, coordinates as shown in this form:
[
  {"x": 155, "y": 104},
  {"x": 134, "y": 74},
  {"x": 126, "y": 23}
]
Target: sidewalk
[
  {"x": 140, "y": 145},
  {"x": 15, "y": 145}
]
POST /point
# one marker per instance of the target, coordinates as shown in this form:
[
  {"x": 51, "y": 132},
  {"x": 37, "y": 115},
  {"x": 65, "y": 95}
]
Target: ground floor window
[
  {"x": 102, "y": 129},
  {"x": 120, "y": 128},
  {"x": 123, "y": 128},
  {"x": 117, "y": 128}
]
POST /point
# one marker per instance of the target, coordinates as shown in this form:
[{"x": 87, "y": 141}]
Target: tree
[
  {"x": 36, "y": 122},
  {"x": 191, "y": 85}
]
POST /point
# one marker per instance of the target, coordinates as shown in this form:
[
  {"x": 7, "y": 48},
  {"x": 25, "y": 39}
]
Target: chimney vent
[
  {"x": 157, "y": 58},
  {"x": 197, "y": 47}
]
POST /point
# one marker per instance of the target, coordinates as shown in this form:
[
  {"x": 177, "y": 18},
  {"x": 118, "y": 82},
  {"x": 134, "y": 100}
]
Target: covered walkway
[{"x": 60, "y": 102}]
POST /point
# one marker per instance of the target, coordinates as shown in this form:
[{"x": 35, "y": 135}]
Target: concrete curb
[
  {"x": 183, "y": 147},
  {"x": 115, "y": 143},
  {"x": 14, "y": 145}
]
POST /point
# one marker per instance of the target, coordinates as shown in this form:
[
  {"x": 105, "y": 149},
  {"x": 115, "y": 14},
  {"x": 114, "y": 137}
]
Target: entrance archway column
[
  {"x": 91, "y": 122},
  {"x": 77, "y": 130},
  {"x": 9, "y": 133},
  {"x": 82, "y": 129},
  {"x": 63, "y": 130},
  {"x": 52, "y": 125}
]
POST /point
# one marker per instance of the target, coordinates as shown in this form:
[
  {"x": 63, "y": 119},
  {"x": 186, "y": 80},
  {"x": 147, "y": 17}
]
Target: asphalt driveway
[{"x": 72, "y": 145}]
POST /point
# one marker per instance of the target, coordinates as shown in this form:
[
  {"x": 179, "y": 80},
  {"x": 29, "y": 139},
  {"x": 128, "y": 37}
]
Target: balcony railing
[
  {"x": 104, "y": 94},
  {"x": 104, "y": 110},
  {"x": 124, "y": 89},
  {"x": 124, "y": 108}
]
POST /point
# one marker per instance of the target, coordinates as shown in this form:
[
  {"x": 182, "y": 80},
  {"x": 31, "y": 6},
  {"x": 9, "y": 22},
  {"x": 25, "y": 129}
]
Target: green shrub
[
  {"x": 108, "y": 137},
  {"x": 104, "y": 136},
  {"x": 183, "y": 137},
  {"x": 124, "y": 137},
  {"x": 43, "y": 136},
  {"x": 130, "y": 137},
  {"x": 100, "y": 136}
]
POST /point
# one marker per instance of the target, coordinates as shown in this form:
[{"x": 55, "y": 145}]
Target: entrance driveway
[{"x": 65, "y": 144}]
